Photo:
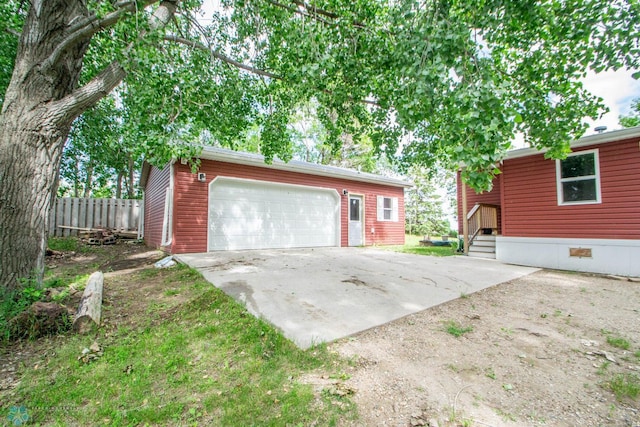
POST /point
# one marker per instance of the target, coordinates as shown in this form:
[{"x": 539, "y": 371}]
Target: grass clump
[
  {"x": 14, "y": 302},
  {"x": 63, "y": 244},
  {"x": 456, "y": 329},
  {"x": 625, "y": 386},
  {"x": 618, "y": 342}
]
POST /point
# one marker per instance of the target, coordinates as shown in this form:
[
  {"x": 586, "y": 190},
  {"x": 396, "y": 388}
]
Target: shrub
[{"x": 14, "y": 302}]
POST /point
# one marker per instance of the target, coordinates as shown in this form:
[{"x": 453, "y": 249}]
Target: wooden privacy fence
[{"x": 115, "y": 214}]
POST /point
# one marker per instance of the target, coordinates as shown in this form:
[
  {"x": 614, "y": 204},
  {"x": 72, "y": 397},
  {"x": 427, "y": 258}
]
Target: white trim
[
  {"x": 167, "y": 219},
  {"x": 141, "y": 217},
  {"x": 250, "y": 159},
  {"x": 332, "y": 191},
  {"x": 362, "y": 222},
  {"x": 596, "y": 177},
  {"x": 608, "y": 256},
  {"x": 394, "y": 209}
]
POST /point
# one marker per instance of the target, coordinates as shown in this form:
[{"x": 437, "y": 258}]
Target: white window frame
[
  {"x": 381, "y": 209},
  {"x": 596, "y": 177}
]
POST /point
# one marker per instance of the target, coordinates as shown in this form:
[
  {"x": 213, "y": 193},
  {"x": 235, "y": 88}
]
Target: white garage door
[{"x": 248, "y": 214}]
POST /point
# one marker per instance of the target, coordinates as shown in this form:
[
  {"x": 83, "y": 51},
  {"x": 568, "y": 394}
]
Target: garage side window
[
  {"x": 578, "y": 178},
  {"x": 387, "y": 208}
]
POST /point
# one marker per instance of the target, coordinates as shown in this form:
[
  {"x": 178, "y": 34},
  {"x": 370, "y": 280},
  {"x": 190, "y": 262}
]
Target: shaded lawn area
[
  {"x": 412, "y": 246},
  {"x": 175, "y": 351}
]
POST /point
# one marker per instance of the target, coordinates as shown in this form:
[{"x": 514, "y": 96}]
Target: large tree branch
[
  {"x": 221, "y": 57},
  {"x": 314, "y": 11},
  {"x": 72, "y": 105},
  {"x": 299, "y": 11},
  {"x": 240, "y": 65},
  {"x": 89, "y": 26},
  {"x": 320, "y": 15}
]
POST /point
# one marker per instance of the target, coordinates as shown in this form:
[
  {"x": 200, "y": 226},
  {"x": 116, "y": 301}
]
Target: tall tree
[
  {"x": 633, "y": 118},
  {"x": 461, "y": 76},
  {"x": 91, "y": 157},
  {"x": 311, "y": 143},
  {"x": 424, "y": 204}
]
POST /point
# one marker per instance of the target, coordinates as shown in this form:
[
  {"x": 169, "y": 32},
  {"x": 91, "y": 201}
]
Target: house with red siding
[
  {"x": 581, "y": 213},
  {"x": 236, "y": 201}
]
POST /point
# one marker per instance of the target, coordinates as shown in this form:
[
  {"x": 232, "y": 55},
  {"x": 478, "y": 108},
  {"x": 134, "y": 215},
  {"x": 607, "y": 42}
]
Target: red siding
[
  {"x": 154, "y": 197},
  {"x": 489, "y": 197},
  {"x": 531, "y": 208},
  {"x": 191, "y": 202}
]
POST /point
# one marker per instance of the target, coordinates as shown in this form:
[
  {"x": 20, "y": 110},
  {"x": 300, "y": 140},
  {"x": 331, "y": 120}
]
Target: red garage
[{"x": 236, "y": 201}]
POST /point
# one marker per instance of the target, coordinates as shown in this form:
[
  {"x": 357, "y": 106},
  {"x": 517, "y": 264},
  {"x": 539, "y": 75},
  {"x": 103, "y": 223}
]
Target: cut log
[{"x": 90, "y": 307}]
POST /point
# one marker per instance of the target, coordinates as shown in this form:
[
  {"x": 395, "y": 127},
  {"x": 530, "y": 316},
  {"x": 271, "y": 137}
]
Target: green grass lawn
[
  {"x": 202, "y": 361},
  {"x": 412, "y": 246}
]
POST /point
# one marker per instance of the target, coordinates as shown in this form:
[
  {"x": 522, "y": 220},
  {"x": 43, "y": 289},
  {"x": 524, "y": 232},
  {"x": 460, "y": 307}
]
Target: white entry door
[
  {"x": 251, "y": 214},
  {"x": 355, "y": 221}
]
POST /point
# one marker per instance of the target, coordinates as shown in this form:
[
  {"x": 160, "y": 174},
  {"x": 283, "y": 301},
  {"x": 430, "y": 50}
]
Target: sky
[{"x": 617, "y": 89}]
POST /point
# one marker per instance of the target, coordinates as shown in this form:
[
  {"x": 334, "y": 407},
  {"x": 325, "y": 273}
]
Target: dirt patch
[{"x": 536, "y": 354}]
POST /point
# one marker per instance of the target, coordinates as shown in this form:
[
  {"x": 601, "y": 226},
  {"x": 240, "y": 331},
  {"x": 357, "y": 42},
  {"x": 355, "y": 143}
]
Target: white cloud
[{"x": 617, "y": 89}]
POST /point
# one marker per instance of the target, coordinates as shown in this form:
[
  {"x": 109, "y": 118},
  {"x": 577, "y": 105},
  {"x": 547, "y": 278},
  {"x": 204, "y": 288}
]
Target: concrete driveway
[{"x": 319, "y": 295}]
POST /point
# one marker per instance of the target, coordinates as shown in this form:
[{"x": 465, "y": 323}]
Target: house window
[
  {"x": 387, "y": 208},
  {"x": 354, "y": 211},
  {"x": 578, "y": 178}
]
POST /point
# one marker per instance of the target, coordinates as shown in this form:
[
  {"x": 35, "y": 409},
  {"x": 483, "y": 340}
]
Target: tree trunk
[
  {"x": 119, "y": 186},
  {"x": 88, "y": 183},
  {"x": 131, "y": 185},
  {"x": 32, "y": 136},
  {"x": 76, "y": 179},
  {"x": 40, "y": 103},
  {"x": 29, "y": 163}
]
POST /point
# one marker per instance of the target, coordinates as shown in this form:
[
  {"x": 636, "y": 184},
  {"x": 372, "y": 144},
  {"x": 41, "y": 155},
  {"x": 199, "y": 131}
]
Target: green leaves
[
  {"x": 10, "y": 25},
  {"x": 442, "y": 82}
]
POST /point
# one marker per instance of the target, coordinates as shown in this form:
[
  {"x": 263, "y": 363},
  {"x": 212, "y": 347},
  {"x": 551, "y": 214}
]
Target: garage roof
[{"x": 250, "y": 159}]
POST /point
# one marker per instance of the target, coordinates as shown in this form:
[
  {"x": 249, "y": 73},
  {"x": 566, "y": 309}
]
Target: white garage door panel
[{"x": 247, "y": 214}]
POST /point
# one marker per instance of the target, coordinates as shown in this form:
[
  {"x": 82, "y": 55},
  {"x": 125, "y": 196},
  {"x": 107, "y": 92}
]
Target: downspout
[
  {"x": 167, "y": 220},
  {"x": 141, "y": 216}
]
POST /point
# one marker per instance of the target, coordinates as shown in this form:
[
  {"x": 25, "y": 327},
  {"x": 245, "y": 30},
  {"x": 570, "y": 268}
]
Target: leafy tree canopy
[
  {"x": 425, "y": 206},
  {"x": 457, "y": 79}
]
